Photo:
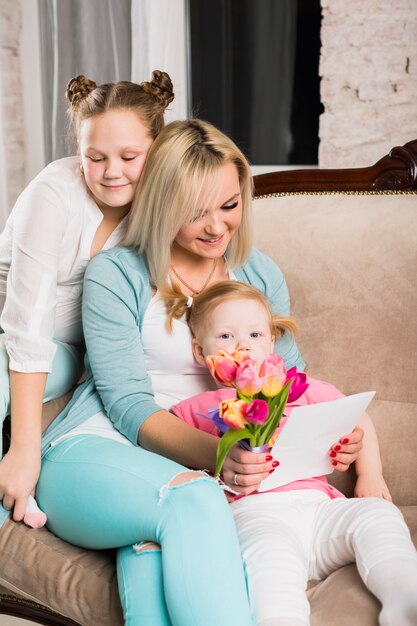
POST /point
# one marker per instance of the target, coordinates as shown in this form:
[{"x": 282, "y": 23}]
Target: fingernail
[
  {"x": 333, "y": 454},
  {"x": 272, "y": 470},
  {"x": 334, "y": 462},
  {"x": 345, "y": 440},
  {"x": 268, "y": 457},
  {"x": 275, "y": 464},
  {"x": 337, "y": 447}
]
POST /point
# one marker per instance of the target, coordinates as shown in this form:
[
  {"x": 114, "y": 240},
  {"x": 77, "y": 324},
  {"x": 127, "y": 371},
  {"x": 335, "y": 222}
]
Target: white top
[
  {"x": 44, "y": 250},
  {"x": 169, "y": 360}
]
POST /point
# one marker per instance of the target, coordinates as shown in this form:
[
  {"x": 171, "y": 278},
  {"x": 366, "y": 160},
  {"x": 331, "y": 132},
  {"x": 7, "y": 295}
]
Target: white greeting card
[{"x": 303, "y": 445}]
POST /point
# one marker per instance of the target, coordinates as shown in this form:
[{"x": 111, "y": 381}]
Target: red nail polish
[
  {"x": 272, "y": 470},
  {"x": 332, "y": 454},
  {"x": 345, "y": 440},
  {"x": 334, "y": 462},
  {"x": 268, "y": 457},
  {"x": 275, "y": 464},
  {"x": 337, "y": 447}
]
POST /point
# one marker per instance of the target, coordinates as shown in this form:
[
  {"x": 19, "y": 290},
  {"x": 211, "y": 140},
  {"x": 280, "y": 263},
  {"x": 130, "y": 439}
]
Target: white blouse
[{"x": 44, "y": 251}]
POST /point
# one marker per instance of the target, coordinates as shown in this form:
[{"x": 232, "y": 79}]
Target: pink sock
[{"x": 34, "y": 517}]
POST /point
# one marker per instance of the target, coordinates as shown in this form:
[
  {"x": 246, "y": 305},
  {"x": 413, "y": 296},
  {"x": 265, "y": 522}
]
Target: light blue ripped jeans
[
  {"x": 99, "y": 494},
  {"x": 66, "y": 369}
]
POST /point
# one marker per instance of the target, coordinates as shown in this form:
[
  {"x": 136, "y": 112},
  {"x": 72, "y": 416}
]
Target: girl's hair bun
[
  {"x": 160, "y": 87},
  {"x": 78, "y": 88}
]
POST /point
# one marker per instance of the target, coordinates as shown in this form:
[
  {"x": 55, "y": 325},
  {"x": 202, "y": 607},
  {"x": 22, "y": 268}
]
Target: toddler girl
[{"x": 307, "y": 529}]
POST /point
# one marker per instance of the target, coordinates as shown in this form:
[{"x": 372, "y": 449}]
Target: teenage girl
[{"x": 74, "y": 208}]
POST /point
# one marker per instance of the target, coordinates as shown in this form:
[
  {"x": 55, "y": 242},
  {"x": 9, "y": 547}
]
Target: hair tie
[{"x": 189, "y": 302}]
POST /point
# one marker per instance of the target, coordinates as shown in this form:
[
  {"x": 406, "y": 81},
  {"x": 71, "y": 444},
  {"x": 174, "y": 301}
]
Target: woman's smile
[{"x": 212, "y": 241}]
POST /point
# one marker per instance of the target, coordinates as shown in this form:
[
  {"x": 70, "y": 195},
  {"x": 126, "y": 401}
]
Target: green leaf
[
  {"x": 242, "y": 396},
  {"x": 277, "y": 409},
  {"x": 278, "y": 398},
  {"x": 228, "y": 440}
]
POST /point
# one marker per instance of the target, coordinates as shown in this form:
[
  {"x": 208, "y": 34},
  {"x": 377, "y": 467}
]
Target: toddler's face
[{"x": 237, "y": 325}]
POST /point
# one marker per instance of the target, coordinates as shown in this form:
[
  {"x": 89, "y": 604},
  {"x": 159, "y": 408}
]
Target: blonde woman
[{"x": 116, "y": 452}]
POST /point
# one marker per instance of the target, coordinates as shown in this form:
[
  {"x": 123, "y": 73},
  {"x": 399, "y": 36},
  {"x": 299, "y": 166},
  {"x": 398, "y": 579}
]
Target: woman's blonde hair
[
  {"x": 204, "y": 303},
  {"x": 180, "y": 178},
  {"x": 148, "y": 99}
]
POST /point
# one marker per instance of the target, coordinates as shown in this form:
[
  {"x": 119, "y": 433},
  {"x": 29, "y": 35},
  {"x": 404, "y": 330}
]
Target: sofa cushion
[
  {"x": 350, "y": 263},
  {"x": 80, "y": 584}
]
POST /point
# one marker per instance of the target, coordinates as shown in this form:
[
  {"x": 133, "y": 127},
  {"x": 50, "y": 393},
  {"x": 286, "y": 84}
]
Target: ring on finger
[{"x": 235, "y": 482}]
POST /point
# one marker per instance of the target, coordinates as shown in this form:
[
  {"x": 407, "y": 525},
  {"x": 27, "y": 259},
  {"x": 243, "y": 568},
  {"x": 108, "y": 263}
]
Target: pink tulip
[
  {"x": 257, "y": 411},
  {"x": 233, "y": 412},
  {"x": 223, "y": 367},
  {"x": 247, "y": 379},
  {"x": 274, "y": 375},
  {"x": 298, "y": 385}
]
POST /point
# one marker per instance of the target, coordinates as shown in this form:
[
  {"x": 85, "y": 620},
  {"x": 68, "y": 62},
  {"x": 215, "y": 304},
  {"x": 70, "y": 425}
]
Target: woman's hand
[
  {"x": 19, "y": 473},
  {"x": 243, "y": 470},
  {"x": 346, "y": 450}
]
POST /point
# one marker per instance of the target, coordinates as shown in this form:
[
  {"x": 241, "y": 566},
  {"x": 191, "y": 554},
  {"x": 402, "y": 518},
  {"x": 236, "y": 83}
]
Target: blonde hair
[
  {"x": 148, "y": 99},
  {"x": 186, "y": 157},
  {"x": 205, "y": 302}
]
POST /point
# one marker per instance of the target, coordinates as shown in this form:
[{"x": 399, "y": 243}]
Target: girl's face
[
  {"x": 242, "y": 324},
  {"x": 113, "y": 147},
  {"x": 209, "y": 234}
]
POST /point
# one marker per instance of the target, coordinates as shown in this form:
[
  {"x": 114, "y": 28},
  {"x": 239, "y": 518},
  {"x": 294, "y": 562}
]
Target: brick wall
[
  {"x": 369, "y": 79},
  {"x": 11, "y": 102}
]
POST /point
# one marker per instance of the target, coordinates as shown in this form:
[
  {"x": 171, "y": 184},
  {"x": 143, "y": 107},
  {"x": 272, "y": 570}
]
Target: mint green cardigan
[{"x": 117, "y": 292}]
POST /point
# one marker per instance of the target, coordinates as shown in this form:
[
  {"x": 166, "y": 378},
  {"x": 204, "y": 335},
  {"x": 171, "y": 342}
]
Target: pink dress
[{"x": 193, "y": 409}]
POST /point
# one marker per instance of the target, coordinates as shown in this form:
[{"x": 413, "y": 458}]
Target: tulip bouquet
[{"x": 261, "y": 396}]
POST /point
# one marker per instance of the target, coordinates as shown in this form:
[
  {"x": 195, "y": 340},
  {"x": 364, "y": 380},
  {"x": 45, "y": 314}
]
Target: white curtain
[
  {"x": 4, "y": 207},
  {"x": 160, "y": 42},
  {"x": 90, "y": 37}
]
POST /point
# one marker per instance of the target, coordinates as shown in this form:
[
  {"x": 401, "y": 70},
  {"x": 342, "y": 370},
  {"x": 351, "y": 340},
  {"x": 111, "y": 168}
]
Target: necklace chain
[{"x": 195, "y": 292}]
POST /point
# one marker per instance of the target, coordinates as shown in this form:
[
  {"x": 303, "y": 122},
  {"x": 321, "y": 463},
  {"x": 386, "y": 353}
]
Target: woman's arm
[
  {"x": 116, "y": 292},
  {"x": 19, "y": 469},
  {"x": 166, "y": 434}
]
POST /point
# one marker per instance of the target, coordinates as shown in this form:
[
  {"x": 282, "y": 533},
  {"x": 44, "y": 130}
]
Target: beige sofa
[{"x": 350, "y": 260}]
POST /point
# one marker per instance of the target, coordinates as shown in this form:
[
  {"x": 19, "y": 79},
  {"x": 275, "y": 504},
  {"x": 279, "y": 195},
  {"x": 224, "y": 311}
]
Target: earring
[{"x": 81, "y": 169}]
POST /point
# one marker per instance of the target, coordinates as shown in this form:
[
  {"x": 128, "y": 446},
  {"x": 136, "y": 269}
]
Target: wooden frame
[
  {"x": 396, "y": 172},
  {"x": 27, "y": 610}
]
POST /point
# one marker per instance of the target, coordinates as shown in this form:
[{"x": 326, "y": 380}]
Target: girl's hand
[
  {"x": 346, "y": 450},
  {"x": 19, "y": 473},
  {"x": 243, "y": 470},
  {"x": 372, "y": 485}
]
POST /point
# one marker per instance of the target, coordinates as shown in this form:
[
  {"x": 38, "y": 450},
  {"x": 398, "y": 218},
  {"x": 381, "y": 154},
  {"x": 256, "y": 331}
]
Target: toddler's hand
[{"x": 372, "y": 485}]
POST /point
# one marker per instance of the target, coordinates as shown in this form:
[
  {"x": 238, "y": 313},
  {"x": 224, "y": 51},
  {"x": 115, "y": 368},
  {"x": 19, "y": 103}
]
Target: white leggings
[{"x": 290, "y": 537}]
